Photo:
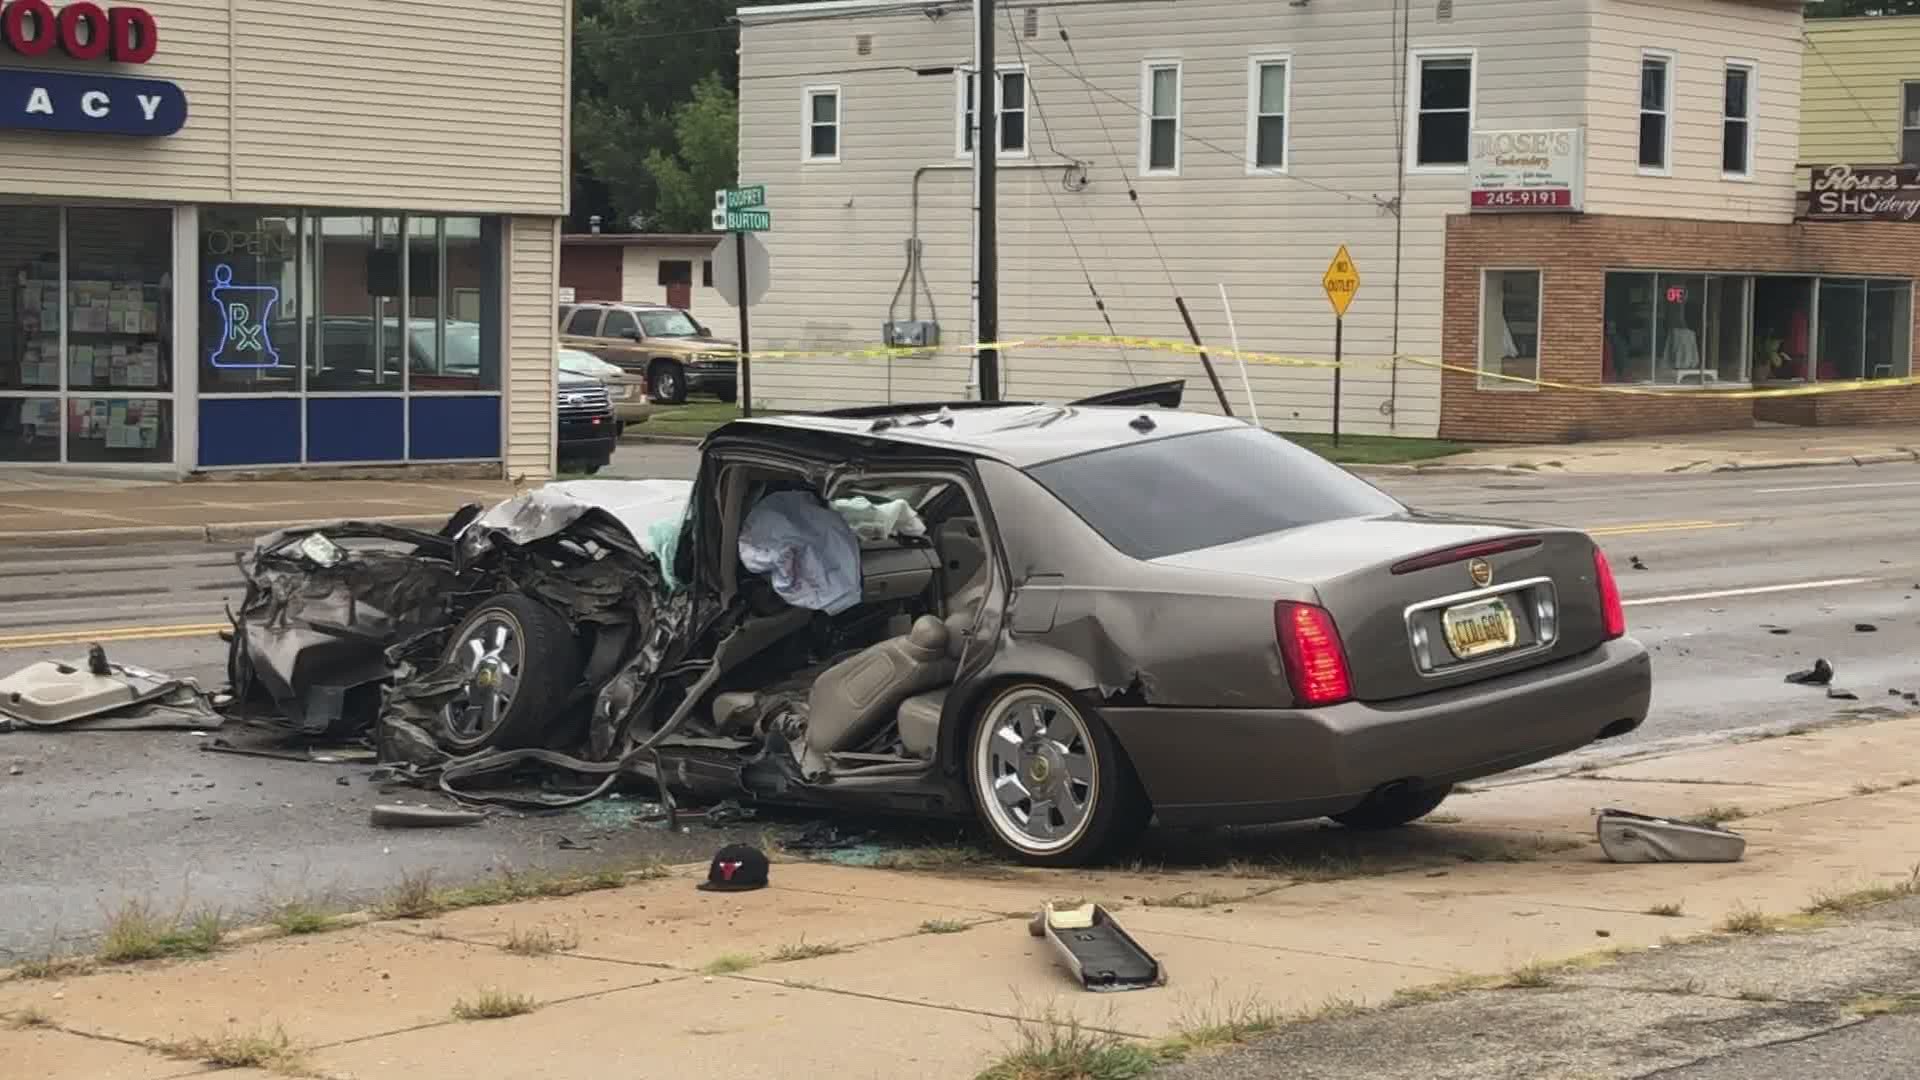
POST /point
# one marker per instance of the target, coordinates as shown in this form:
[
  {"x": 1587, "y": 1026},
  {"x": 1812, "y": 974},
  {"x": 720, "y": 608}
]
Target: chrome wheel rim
[
  {"x": 1037, "y": 771},
  {"x": 490, "y": 652}
]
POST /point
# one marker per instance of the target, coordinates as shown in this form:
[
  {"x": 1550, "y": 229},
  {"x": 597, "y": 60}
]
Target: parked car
[
  {"x": 628, "y": 391},
  {"x": 674, "y": 353},
  {"x": 587, "y": 433},
  {"x": 1060, "y": 620}
]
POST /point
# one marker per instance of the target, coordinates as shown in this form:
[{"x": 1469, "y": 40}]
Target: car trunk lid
[{"x": 1425, "y": 603}]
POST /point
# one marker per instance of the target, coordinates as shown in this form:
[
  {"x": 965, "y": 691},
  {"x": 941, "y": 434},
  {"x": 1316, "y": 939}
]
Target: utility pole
[{"x": 986, "y": 148}]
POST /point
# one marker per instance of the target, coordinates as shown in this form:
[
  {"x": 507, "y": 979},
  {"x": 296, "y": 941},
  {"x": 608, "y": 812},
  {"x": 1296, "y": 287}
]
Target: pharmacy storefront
[{"x": 259, "y": 236}]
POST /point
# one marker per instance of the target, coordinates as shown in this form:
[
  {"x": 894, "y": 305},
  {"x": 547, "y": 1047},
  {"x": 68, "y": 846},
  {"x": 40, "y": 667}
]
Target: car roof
[
  {"x": 1021, "y": 435},
  {"x": 620, "y": 304}
]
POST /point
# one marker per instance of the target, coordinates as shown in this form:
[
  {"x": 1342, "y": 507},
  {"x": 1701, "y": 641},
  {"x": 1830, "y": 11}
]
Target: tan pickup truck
[{"x": 675, "y": 354}]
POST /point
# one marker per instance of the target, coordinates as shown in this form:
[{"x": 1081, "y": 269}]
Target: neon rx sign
[{"x": 83, "y": 31}]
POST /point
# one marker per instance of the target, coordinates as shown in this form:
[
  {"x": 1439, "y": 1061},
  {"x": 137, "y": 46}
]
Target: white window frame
[
  {"x": 1480, "y": 380},
  {"x": 1752, "y": 70},
  {"x": 965, "y": 109},
  {"x": 1254, "y": 115},
  {"x": 1900, "y": 151},
  {"x": 1415, "y": 61},
  {"x": 1147, "y": 68},
  {"x": 807, "y": 156},
  {"x": 1640, "y": 112}
]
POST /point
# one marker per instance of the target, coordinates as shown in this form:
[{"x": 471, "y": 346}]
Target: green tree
[
  {"x": 1840, "y": 8},
  {"x": 635, "y": 64},
  {"x": 707, "y": 129}
]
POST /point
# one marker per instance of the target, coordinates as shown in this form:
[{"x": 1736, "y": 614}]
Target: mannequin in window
[{"x": 1683, "y": 346}]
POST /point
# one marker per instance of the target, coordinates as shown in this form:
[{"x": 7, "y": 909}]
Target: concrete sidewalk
[
  {"x": 45, "y": 509},
  {"x": 1769, "y": 447},
  {"x": 853, "y": 972}
]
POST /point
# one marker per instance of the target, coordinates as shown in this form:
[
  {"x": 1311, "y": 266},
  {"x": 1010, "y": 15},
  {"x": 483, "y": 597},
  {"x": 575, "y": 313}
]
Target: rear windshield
[{"x": 1199, "y": 491}]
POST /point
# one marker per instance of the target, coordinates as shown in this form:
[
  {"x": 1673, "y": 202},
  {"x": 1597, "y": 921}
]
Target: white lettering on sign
[
  {"x": 1843, "y": 178},
  {"x": 39, "y": 101},
  {"x": 95, "y": 103},
  {"x": 149, "y": 104}
]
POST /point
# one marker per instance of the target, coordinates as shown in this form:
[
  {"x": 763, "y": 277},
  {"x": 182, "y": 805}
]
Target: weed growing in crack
[{"x": 493, "y": 1004}]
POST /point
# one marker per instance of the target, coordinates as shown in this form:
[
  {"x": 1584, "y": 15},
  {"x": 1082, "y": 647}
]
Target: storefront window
[
  {"x": 354, "y": 332},
  {"x": 1782, "y": 328},
  {"x": 473, "y": 304},
  {"x": 250, "y": 300},
  {"x": 1671, "y": 329},
  {"x": 29, "y": 429},
  {"x": 1843, "y": 315},
  {"x": 119, "y": 429},
  {"x": 30, "y": 317},
  {"x": 1889, "y": 329},
  {"x": 1510, "y": 329}
]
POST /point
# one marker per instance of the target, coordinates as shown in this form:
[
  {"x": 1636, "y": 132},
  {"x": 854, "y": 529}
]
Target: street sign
[
  {"x": 749, "y": 220},
  {"x": 1342, "y": 280},
  {"x": 746, "y": 198},
  {"x": 726, "y": 269},
  {"x": 741, "y": 209}
]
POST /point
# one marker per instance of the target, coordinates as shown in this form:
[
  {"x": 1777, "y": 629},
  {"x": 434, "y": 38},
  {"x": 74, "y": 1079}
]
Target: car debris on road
[
  {"x": 1627, "y": 837},
  {"x": 99, "y": 695}
]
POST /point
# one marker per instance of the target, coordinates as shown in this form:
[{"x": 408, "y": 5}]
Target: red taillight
[
  {"x": 1612, "y": 613},
  {"x": 1310, "y": 647}
]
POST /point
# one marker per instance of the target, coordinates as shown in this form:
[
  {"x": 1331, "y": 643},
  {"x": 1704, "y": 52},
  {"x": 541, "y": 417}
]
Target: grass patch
[
  {"x": 1668, "y": 911},
  {"x": 695, "y": 418},
  {"x": 416, "y": 897},
  {"x": 272, "y": 1050},
  {"x": 1885, "y": 1004},
  {"x": 1218, "y": 1027},
  {"x": 1515, "y": 851},
  {"x": 801, "y": 950},
  {"x": 29, "y": 1017},
  {"x": 491, "y": 1004},
  {"x": 1846, "y": 903},
  {"x": 1425, "y": 995},
  {"x": 1745, "y": 920},
  {"x": 934, "y": 858},
  {"x": 53, "y": 967},
  {"x": 541, "y": 941},
  {"x": 1050, "y": 1048},
  {"x": 413, "y": 897},
  {"x": 1717, "y": 815},
  {"x": 1755, "y": 995},
  {"x": 300, "y": 917},
  {"x": 1530, "y": 976},
  {"x": 728, "y": 964},
  {"x": 944, "y": 926},
  {"x": 1194, "y": 901},
  {"x": 138, "y": 931},
  {"x": 1323, "y": 869},
  {"x": 1377, "y": 449}
]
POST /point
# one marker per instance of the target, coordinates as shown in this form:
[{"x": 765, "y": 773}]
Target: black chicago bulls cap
[{"x": 737, "y": 868}]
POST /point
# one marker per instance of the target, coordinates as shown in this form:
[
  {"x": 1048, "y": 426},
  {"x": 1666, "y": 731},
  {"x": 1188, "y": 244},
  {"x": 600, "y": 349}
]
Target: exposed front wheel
[
  {"x": 1050, "y": 781},
  {"x": 1395, "y": 808},
  {"x": 520, "y": 662},
  {"x": 667, "y": 383}
]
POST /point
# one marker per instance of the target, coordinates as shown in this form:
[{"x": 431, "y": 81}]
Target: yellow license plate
[{"x": 1480, "y": 628}]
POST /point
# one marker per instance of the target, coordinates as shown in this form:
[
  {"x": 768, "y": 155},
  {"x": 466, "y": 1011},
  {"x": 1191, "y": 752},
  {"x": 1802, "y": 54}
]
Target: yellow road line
[
  {"x": 109, "y": 633},
  {"x": 1660, "y": 526}
]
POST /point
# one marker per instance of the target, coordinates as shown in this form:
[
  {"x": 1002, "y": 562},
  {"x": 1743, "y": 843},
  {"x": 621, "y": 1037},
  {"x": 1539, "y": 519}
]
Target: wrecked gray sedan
[{"x": 1061, "y": 620}]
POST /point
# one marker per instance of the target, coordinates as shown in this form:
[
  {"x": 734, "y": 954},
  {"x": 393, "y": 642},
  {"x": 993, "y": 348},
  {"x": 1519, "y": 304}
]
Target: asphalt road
[{"x": 95, "y": 818}]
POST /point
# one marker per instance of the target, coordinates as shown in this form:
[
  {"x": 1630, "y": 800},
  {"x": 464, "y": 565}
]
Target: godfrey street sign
[
  {"x": 94, "y": 104},
  {"x": 1525, "y": 170},
  {"x": 1864, "y": 193}
]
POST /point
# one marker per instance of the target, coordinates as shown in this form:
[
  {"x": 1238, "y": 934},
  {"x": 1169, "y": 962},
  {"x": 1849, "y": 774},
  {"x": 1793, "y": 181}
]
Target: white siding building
[
  {"x": 1259, "y": 136},
  {"x": 273, "y": 233}
]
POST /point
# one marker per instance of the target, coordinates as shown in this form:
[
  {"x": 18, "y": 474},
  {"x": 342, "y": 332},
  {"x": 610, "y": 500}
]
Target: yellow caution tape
[{"x": 1187, "y": 348}]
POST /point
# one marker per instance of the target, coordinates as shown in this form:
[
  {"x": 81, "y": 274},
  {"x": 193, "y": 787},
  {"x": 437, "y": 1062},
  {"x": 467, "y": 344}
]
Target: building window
[
  {"x": 1443, "y": 120},
  {"x": 1160, "y": 119},
  {"x": 676, "y": 272},
  {"x": 86, "y": 334},
  {"x": 1910, "y": 123},
  {"x": 706, "y": 273},
  {"x": 1677, "y": 329},
  {"x": 1010, "y": 105},
  {"x": 1656, "y": 95},
  {"x": 1510, "y": 302},
  {"x": 1268, "y": 95},
  {"x": 1736, "y": 123},
  {"x": 822, "y": 122}
]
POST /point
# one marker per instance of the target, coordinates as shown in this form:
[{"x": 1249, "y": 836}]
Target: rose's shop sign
[
  {"x": 81, "y": 100},
  {"x": 1864, "y": 193}
]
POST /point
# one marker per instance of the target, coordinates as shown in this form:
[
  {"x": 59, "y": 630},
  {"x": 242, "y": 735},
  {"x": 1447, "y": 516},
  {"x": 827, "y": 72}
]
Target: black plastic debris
[
  {"x": 1100, "y": 955},
  {"x": 1819, "y": 675},
  {"x": 1634, "y": 561},
  {"x": 1864, "y": 628},
  {"x": 1837, "y": 694}
]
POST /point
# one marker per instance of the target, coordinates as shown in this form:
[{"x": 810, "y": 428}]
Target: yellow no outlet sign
[{"x": 1342, "y": 281}]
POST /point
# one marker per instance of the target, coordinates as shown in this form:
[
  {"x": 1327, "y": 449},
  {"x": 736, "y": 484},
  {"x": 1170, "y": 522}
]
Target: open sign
[
  {"x": 82, "y": 30},
  {"x": 1676, "y": 294}
]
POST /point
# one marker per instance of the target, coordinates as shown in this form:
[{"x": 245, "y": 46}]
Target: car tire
[
  {"x": 667, "y": 383},
  {"x": 1394, "y": 809},
  {"x": 515, "y": 638},
  {"x": 1093, "y": 803}
]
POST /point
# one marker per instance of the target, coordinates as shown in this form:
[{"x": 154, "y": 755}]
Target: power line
[{"x": 1033, "y": 99}]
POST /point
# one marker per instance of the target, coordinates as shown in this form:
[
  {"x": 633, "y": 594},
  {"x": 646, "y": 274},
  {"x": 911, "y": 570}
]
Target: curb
[
  {"x": 221, "y": 532},
  {"x": 664, "y": 440}
]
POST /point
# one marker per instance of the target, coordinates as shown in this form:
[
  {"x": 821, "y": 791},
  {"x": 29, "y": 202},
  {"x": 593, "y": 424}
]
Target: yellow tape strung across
[{"x": 1166, "y": 345}]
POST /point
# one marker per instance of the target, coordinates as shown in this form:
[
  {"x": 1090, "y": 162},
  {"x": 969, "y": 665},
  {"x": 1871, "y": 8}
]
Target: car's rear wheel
[
  {"x": 667, "y": 383},
  {"x": 520, "y": 661},
  {"x": 1049, "y": 779},
  {"x": 1395, "y": 807}
]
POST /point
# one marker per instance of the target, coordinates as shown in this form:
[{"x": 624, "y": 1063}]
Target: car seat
[{"x": 852, "y": 700}]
